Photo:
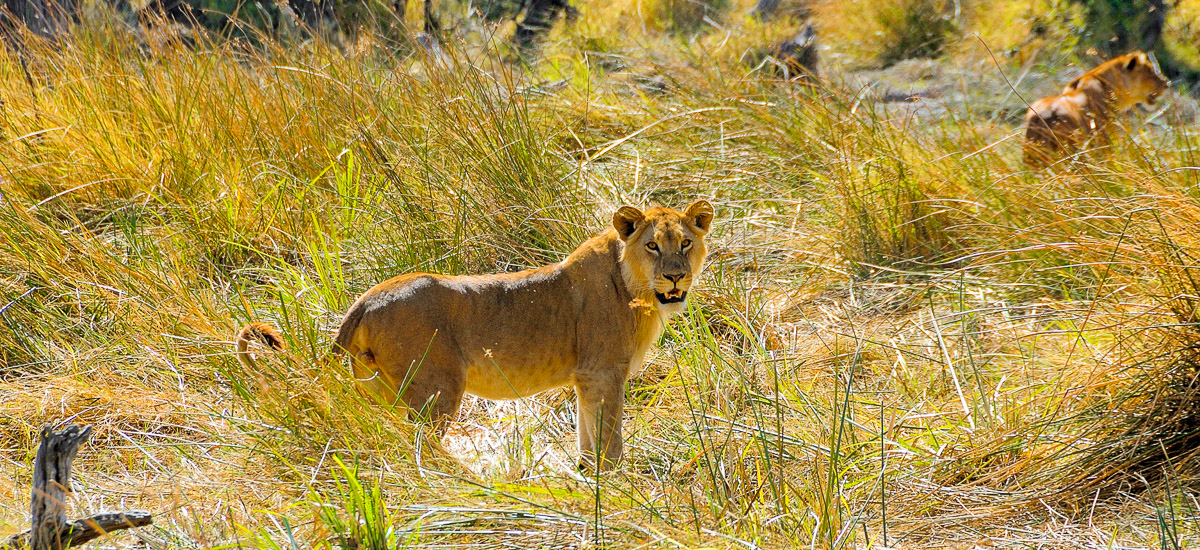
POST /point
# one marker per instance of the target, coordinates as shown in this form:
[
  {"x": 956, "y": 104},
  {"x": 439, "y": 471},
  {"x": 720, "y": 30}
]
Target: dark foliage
[{"x": 1116, "y": 27}]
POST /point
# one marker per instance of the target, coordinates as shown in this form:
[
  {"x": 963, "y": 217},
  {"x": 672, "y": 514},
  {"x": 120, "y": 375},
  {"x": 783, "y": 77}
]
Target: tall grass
[{"x": 899, "y": 322}]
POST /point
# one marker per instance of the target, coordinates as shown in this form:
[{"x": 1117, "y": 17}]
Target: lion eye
[
  {"x": 652, "y": 245},
  {"x": 686, "y": 243}
]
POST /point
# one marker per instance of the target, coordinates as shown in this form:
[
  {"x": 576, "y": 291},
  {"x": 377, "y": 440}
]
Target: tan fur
[
  {"x": 1059, "y": 125},
  {"x": 423, "y": 340},
  {"x": 263, "y": 333}
]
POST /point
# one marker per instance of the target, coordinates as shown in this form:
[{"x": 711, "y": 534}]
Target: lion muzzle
[{"x": 673, "y": 296}]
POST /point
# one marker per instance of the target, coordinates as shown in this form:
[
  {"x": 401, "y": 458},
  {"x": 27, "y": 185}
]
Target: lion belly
[{"x": 492, "y": 382}]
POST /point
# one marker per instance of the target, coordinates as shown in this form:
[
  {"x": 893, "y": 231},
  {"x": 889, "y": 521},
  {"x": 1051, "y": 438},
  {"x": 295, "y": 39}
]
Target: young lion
[
  {"x": 586, "y": 321},
  {"x": 1058, "y": 125}
]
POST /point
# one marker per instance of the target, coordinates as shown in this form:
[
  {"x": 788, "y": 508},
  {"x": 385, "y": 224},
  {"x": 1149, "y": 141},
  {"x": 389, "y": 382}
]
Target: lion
[
  {"x": 1058, "y": 125},
  {"x": 423, "y": 340}
]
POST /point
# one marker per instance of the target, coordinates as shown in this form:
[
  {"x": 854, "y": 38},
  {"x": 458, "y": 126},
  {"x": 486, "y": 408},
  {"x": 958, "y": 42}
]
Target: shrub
[
  {"x": 688, "y": 16},
  {"x": 912, "y": 29}
]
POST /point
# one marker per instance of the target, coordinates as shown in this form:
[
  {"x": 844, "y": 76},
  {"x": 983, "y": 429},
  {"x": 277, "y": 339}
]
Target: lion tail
[
  {"x": 349, "y": 325},
  {"x": 263, "y": 333}
]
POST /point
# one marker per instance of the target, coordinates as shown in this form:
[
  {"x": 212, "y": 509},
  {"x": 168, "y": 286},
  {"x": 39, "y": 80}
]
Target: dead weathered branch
[
  {"x": 51, "y": 482},
  {"x": 80, "y": 531}
]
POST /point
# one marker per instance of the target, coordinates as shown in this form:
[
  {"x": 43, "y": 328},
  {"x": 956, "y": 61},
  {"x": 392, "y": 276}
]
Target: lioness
[
  {"x": 586, "y": 321},
  {"x": 1057, "y": 125}
]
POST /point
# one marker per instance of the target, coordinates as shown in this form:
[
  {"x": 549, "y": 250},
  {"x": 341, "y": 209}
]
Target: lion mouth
[{"x": 673, "y": 296}]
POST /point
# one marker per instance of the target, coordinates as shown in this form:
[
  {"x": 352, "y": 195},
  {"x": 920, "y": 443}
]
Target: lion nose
[{"x": 674, "y": 278}]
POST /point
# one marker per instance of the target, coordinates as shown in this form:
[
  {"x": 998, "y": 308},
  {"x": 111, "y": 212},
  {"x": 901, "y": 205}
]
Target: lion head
[
  {"x": 1129, "y": 80},
  {"x": 664, "y": 250}
]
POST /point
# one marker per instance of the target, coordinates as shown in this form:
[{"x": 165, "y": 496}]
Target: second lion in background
[{"x": 1059, "y": 125}]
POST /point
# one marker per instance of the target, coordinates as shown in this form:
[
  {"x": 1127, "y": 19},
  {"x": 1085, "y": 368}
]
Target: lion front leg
[{"x": 601, "y": 405}]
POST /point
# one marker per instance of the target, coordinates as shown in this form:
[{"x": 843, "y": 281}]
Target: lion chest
[{"x": 647, "y": 335}]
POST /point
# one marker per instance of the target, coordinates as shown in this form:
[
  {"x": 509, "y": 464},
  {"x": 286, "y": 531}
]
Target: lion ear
[
  {"x": 700, "y": 214},
  {"x": 627, "y": 220},
  {"x": 1134, "y": 60}
]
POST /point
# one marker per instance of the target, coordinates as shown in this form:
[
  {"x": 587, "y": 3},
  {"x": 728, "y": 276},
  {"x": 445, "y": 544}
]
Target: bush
[
  {"x": 912, "y": 29},
  {"x": 1116, "y": 27},
  {"x": 499, "y": 10},
  {"x": 688, "y": 16}
]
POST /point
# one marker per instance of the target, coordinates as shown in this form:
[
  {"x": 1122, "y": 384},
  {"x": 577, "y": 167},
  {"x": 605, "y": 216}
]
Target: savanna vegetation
[{"x": 904, "y": 338}]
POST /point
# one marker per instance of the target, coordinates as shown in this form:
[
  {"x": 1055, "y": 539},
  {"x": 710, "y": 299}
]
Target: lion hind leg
[
  {"x": 370, "y": 381},
  {"x": 431, "y": 387},
  {"x": 435, "y": 404},
  {"x": 1042, "y": 146}
]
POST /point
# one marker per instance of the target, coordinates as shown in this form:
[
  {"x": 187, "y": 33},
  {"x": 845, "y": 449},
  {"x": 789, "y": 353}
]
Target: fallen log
[
  {"x": 80, "y": 531},
  {"x": 50, "y": 529}
]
